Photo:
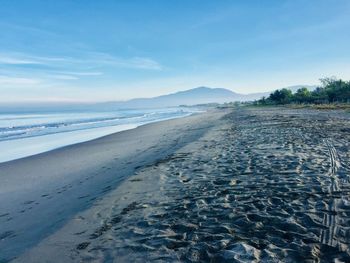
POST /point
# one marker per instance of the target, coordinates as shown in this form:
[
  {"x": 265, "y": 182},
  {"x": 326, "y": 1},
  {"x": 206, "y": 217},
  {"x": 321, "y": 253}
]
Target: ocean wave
[{"x": 14, "y": 127}]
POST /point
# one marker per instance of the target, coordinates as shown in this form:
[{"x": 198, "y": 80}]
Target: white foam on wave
[{"x": 26, "y": 135}]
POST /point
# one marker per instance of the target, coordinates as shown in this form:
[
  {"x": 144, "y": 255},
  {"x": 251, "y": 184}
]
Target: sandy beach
[
  {"x": 39, "y": 194},
  {"x": 242, "y": 185}
]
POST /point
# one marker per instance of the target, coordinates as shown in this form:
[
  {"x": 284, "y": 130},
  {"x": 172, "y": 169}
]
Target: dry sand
[{"x": 259, "y": 185}]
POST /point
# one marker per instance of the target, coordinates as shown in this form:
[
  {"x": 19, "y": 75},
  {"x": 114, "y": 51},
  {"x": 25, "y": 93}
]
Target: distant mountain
[{"x": 200, "y": 95}]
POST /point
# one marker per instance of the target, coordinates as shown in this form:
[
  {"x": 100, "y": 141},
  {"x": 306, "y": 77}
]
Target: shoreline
[
  {"x": 39, "y": 193},
  {"x": 74, "y": 137}
]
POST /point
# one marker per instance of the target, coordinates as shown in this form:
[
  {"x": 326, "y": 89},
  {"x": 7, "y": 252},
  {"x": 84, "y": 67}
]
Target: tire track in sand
[{"x": 330, "y": 219}]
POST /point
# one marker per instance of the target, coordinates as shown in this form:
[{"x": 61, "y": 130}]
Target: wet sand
[
  {"x": 260, "y": 185},
  {"x": 39, "y": 194}
]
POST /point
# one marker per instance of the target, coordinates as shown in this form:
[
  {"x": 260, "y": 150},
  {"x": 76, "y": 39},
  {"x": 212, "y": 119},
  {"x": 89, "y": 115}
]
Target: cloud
[
  {"x": 131, "y": 63},
  {"x": 91, "y": 58},
  {"x": 88, "y": 73},
  {"x": 24, "y": 59},
  {"x": 6, "y": 80},
  {"x": 8, "y": 60},
  {"x": 19, "y": 70},
  {"x": 69, "y": 75},
  {"x": 143, "y": 63},
  {"x": 64, "y": 77}
]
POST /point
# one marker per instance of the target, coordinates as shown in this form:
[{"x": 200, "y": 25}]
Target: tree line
[{"x": 332, "y": 90}]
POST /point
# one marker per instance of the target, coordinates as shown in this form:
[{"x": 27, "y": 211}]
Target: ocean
[{"x": 26, "y": 134}]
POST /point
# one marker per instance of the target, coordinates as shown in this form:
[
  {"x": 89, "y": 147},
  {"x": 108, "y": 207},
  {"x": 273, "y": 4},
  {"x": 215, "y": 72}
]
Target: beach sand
[
  {"x": 39, "y": 194},
  {"x": 254, "y": 185}
]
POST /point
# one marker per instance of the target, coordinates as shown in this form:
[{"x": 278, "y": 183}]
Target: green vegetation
[{"x": 332, "y": 91}]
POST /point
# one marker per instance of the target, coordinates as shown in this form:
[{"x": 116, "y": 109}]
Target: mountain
[{"x": 200, "y": 95}]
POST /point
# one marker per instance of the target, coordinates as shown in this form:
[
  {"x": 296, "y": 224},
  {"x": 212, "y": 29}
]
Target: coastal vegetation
[{"x": 331, "y": 91}]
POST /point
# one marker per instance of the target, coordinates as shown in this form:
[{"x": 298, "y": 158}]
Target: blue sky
[{"x": 111, "y": 50}]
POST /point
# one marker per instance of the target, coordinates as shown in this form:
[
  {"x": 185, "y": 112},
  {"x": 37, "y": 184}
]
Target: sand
[
  {"x": 257, "y": 185},
  {"x": 39, "y": 194}
]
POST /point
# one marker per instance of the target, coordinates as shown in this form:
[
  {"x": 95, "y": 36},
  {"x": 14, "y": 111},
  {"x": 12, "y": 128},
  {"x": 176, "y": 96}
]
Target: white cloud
[
  {"x": 88, "y": 73},
  {"x": 63, "y": 77},
  {"x": 91, "y": 58},
  {"x": 143, "y": 63},
  {"x": 24, "y": 59},
  {"x": 10, "y": 60},
  {"x": 6, "y": 80},
  {"x": 132, "y": 62}
]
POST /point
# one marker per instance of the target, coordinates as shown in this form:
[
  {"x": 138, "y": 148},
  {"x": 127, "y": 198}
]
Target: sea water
[{"x": 26, "y": 134}]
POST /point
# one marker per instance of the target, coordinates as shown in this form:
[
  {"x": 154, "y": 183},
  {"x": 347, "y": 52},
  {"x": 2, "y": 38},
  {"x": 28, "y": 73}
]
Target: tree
[
  {"x": 332, "y": 90},
  {"x": 336, "y": 89},
  {"x": 319, "y": 95},
  {"x": 282, "y": 96},
  {"x": 303, "y": 95},
  {"x": 263, "y": 100}
]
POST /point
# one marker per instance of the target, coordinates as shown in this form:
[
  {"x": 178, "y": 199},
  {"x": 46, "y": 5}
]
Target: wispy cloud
[
  {"x": 91, "y": 58},
  {"x": 136, "y": 62},
  {"x": 13, "y": 60},
  {"x": 132, "y": 63},
  {"x": 21, "y": 70},
  {"x": 24, "y": 59},
  {"x": 142, "y": 63},
  {"x": 63, "y": 77},
  {"x": 7, "y": 80},
  {"x": 87, "y": 73},
  {"x": 71, "y": 75}
]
